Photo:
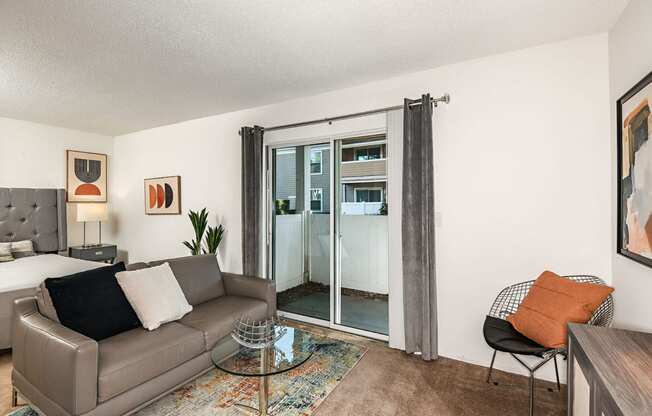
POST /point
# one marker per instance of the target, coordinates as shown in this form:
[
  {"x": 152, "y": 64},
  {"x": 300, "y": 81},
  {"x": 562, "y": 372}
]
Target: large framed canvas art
[
  {"x": 634, "y": 118},
  {"x": 163, "y": 195},
  {"x": 86, "y": 175}
]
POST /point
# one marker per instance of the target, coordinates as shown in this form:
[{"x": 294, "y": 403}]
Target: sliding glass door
[
  {"x": 301, "y": 232},
  {"x": 330, "y": 265},
  {"x": 361, "y": 223}
]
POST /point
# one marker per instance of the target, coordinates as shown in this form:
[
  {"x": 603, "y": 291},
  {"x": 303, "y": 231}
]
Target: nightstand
[{"x": 100, "y": 252}]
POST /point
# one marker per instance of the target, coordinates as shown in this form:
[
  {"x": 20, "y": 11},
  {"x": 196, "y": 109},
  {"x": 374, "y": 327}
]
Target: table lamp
[{"x": 92, "y": 212}]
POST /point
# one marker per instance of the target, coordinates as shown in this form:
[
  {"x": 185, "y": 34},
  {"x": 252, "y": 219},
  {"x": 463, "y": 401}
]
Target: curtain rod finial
[{"x": 446, "y": 98}]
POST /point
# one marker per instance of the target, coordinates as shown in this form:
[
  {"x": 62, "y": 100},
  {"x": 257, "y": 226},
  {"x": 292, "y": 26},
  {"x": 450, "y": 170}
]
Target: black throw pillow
[{"x": 92, "y": 303}]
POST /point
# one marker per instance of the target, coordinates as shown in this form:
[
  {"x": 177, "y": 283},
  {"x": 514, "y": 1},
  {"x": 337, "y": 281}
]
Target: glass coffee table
[{"x": 293, "y": 348}]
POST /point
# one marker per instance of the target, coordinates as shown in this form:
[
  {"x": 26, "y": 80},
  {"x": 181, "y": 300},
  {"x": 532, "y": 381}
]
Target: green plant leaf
[
  {"x": 214, "y": 238},
  {"x": 199, "y": 221}
]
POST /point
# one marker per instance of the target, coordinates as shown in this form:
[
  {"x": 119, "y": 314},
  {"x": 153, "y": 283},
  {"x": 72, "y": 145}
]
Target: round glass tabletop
[{"x": 291, "y": 350}]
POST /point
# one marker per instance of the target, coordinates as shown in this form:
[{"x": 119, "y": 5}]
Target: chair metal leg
[
  {"x": 532, "y": 370},
  {"x": 557, "y": 373},
  {"x": 491, "y": 367},
  {"x": 14, "y": 397},
  {"x": 531, "y": 393}
]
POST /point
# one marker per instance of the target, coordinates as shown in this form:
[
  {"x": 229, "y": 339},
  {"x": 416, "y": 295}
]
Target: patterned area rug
[{"x": 297, "y": 392}]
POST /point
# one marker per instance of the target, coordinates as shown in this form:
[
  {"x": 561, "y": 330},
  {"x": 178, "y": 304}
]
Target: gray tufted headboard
[{"x": 34, "y": 214}]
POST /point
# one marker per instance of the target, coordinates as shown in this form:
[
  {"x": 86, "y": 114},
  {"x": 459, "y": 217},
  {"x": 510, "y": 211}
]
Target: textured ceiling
[{"x": 119, "y": 66}]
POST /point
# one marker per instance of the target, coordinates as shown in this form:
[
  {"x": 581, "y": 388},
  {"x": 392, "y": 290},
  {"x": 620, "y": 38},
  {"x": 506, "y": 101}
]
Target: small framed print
[
  {"x": 163, "y": 195},
  {"x": 86, "y": 175}
]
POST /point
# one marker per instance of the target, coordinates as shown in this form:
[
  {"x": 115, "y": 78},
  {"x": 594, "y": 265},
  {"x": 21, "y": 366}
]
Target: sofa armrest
[
  {"x": 58, "y": 362},
  {"x": 253, "y": 287}
]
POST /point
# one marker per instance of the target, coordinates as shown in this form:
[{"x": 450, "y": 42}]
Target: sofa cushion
[
  {"x": 134, "y": 357},
  {"x": 137, "y": 266},
  {"x": 92, "y": 303},
  {"x": 200, "y": 277},
  {"x": 45, "y": 304},
  {"x": 155, "y": 295},
  {"x": 216, "y": 317}
]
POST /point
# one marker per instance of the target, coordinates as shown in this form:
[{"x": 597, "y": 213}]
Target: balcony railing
[
  {"x": 364, "y": 168},
  {"x": 361, "y": 208}
]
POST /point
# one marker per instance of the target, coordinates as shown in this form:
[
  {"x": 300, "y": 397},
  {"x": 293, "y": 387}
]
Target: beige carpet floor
[{"x": 389, "y": 382}]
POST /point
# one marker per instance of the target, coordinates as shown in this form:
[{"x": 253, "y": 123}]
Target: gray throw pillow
[{"x": 44, "y": 303}]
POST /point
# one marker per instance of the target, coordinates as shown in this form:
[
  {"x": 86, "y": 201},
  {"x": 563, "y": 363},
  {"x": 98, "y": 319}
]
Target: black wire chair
[{"x": 501, "y": 336}]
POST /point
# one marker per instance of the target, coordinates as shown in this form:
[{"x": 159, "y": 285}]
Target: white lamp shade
[{"x": 92, "y": 212}]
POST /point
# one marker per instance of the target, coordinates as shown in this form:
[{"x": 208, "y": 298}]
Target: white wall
[
  {"x": 34, "y": 156},
  {"x": 206, "y": 154},
  {"x": 522, "y": 159},
  {"x": 629, "y": 62},
  {"x": 522, "y": 180}
]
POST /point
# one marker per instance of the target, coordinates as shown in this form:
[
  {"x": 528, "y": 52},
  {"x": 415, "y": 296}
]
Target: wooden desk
[{"x": 609, "y": 372}]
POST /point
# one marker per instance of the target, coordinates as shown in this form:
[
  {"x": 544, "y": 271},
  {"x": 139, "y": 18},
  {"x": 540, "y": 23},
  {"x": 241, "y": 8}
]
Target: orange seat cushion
[{"x": 553, "y": 302}]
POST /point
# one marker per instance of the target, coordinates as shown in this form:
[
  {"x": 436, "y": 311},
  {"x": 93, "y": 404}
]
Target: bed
[{"x": 38, "y": 215}]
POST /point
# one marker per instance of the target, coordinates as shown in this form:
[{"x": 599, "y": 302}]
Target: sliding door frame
[
  {"x": 268, "y": 194},
  {"x": 334, "y": 247}
]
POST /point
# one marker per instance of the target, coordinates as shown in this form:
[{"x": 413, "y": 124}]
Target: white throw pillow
[
  {"x": 23, "y": 248},
  {"x": 5, "y": 252},
  {"x": 155, "y": 295}
]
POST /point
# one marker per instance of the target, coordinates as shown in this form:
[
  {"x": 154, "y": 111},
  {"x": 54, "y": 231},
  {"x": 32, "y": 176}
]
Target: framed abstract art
[
  {"x": 86, "y": 175},
  {"x": 163, "y": 195},
  {"x": 634, "y": 131}
]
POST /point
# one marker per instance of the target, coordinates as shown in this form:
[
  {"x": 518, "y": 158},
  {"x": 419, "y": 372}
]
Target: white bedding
[{"x": 29, "y": 272}]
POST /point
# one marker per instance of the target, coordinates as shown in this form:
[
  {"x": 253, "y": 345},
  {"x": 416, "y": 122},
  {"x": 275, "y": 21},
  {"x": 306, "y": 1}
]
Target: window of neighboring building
[
  {"x": 315, "y": 162},
  {"x": 316, "y": 198},
  {"x": 368, "y": 153},
  {"x": 368, "y": 195}
]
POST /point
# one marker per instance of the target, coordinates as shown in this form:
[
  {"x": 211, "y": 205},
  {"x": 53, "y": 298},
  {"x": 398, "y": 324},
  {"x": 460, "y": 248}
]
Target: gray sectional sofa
[{"x": 63, "y": 373}]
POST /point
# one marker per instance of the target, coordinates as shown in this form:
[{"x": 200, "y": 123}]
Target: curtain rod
[{"x": 446, "y": 98}]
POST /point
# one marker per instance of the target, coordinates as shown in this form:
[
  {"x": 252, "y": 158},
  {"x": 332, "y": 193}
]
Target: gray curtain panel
[
  {"x": 252, "y": 181},
  {"x": 419, "y": 284}
]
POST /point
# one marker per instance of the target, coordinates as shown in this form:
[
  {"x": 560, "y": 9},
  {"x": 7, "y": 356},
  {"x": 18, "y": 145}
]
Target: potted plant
[{"x": 214, "y": 235}]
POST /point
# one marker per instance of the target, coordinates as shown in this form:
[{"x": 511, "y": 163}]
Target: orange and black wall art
[
  {"x": 86, "y": 176},
  {"x": 163, "y": 195}
]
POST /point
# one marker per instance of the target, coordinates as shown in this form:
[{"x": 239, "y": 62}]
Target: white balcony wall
[
  {"x": 288, "y": 269},
  {"x": 364, "y": 252},
  {"x": 319, "y": 231}
]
